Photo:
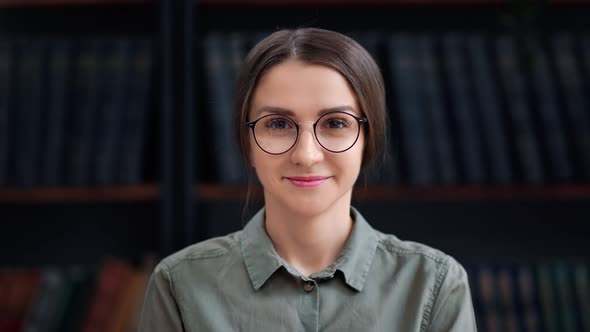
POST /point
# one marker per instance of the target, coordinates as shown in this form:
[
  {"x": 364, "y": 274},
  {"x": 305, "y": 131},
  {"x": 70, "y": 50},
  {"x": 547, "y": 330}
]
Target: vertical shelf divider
[{"x": 177, "y": 209}]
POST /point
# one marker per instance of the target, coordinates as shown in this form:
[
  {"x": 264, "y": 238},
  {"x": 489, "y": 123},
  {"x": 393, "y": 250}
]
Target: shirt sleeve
[
  {"x": 453, "y": 309},
  {"x": 160, "y": 310}
]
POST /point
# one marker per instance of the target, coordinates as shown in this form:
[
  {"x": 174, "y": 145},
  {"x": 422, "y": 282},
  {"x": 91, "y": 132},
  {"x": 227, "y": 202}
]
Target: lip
[{"x": 307, "y": 181}]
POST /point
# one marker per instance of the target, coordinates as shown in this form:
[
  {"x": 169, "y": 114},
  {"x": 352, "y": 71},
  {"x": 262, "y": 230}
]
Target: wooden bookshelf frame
[
  {"x": 144, "y": 192},
  {"x": 150, "y": 192},
  {"x": 349, "y": 2},
  {"x": 435, "y": 193},
  {"x": 34, "y": 3},
  {"x": 375, "y": 2}
]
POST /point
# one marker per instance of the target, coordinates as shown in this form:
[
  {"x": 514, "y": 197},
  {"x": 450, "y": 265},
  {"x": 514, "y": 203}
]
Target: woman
[{"x": 310, "y": 115}]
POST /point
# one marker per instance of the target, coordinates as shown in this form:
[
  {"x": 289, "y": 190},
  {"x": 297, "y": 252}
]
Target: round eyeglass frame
[{"x": 359, "y": 120}]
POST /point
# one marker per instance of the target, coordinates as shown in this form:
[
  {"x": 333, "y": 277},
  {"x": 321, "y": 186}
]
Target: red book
[
  {"x": 17, "y": 291},
  {"x": 113, "y": 278}
]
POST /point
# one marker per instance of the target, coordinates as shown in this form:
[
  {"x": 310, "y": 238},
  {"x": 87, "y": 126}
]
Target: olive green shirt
[{"x": 239, "y": 283}]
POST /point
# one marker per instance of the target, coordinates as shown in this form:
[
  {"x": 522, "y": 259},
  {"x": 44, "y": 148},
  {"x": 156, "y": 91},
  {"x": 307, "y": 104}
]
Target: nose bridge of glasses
[
  {"x": 310, "y": 132},
  {"x": 311, "y": 126},
  {"x": 300, "y": 123}
]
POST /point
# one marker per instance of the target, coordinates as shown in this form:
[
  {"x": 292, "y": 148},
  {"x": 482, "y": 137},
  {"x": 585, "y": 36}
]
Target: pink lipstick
[{"x": 307, "y": 181}]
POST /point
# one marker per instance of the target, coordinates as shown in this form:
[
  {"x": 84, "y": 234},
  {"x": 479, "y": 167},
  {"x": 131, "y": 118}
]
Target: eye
[
  {"x": 336, "y": 123},
  {"x": 278, "y": 123}
]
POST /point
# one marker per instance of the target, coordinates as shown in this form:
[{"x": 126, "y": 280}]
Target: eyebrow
[{"x": 285, "y": 111}]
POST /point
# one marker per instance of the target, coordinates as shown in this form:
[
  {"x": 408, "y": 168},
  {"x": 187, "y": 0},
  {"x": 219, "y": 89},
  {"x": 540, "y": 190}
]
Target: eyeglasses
[{"x": 335, "y": 131}]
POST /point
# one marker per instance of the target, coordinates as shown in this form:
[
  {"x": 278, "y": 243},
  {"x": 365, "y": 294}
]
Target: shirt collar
[
  {"x": 259, "y": 255},
  {"x": 357, "y": 257},
  {"x": 354, "y": 262}
]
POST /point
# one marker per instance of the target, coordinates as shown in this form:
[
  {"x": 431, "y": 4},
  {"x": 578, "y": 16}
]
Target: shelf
[
  {"x": 34, "y": 3},
  {"x": 350, "y": 2},
  {"x": 509, "y": 192},
  {"x": 144, "y": 192},
  {"x": 572, "y": 2},
  {"x": 512, "y": 192},
  {"x": 376, "y": 2}
]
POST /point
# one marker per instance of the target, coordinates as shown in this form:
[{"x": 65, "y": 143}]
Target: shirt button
[{"x": 308, "y": 286}]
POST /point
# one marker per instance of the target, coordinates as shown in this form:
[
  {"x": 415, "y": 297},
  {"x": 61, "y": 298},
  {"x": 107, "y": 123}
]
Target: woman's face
[{"x": 307, "y": 179}]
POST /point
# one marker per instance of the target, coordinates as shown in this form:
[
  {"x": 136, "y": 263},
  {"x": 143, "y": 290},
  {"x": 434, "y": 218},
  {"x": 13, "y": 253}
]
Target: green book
[
  {"x": 547, "y": 297},
  {"x": 82, "y": 284}
]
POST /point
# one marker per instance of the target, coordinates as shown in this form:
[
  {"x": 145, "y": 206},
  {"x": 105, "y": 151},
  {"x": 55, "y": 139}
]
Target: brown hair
[{"x": 319, "y": 47}]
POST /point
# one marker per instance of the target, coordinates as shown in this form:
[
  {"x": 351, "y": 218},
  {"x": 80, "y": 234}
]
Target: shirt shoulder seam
[
  {"x": 204, "y": 254},
  {"x": 392, "y": 248},
  {"x": 434, "y": 292}
]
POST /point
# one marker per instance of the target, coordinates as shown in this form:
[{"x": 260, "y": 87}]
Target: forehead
[{"x": 306, "y": 90}]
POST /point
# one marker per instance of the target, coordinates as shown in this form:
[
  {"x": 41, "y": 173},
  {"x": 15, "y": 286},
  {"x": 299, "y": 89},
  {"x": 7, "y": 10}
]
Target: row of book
[
  {"x": 549, "y": 296},
  {"x": 74, "y": 299},
  {"x": 73, "y": 111},
  {"x": 466, "y": 107}
]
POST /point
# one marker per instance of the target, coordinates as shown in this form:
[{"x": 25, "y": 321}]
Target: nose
[{"x": 307, "y": 150}]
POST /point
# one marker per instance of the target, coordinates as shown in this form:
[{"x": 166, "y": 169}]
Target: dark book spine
[
  {"x": 566, "y": 301},
  {"x": 529, "y": 299},
  {"x": 31, "y": 71},
  {"x": 237, "y": 53},
  {"x": 82, "y": 113},
  {"x": 515, "y": 89},
  {"x": 6, "y": 84},
  {"x": 509, "y": 304},
  {"x": 53, "y": 155},
  {"x": 435, "y": 109},
  {"x": 462, "y": 106},
  {"x": 488, "y": 293},
  {"x": 547, "y": 296},
  {"x": 385, "y": 171},
  {"x": 582, "y": 291},
  {"x": 403, "y": 49},
  {"x": 487, "y": 106},
  {"x": 220, "y": 74},
  {"x": 576, "y": 107},
  {"x": 476, "y": 296},
  {"x": 543, "y": 84},
  {"x": 136, "y": 112},
  {"x": 585, "y": 56},
  {"x": 115, "y": 78}
]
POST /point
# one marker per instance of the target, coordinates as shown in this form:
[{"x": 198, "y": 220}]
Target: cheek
[
  {"x": 251, "y": 150},
  {"x": 352, "y": 164},
  {"x": 359, "y": 149},
  {"x": 362, "y": 143}
]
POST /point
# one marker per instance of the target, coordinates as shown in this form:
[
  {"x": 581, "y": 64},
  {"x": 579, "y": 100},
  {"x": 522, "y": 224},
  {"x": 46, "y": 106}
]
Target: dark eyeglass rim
[{"x": 360, "y": 121}]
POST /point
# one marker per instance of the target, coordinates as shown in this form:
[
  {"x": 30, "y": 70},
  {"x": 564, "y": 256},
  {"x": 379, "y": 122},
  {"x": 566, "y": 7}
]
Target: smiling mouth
[{"x": 307, "y": 181}]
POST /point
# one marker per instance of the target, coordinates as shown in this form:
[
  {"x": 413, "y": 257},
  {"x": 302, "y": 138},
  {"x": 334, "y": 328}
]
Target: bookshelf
[
  {"x": 180, "y": 198},
  {"x": 70, "y": 173},
  {"x": 81, "y": 181},
  {"x": 212, "y": 15}
]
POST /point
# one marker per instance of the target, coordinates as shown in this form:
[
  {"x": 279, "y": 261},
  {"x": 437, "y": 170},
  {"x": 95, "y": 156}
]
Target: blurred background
[{"x": 116, "y": 146}]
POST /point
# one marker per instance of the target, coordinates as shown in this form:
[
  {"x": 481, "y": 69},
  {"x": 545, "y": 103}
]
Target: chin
[
  {"x": 309, "y": 204},
  {"x": 309, "y": 210}
]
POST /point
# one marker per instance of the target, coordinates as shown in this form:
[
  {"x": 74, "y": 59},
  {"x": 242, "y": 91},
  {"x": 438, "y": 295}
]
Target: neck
[{"x": 309, "y": 243}]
